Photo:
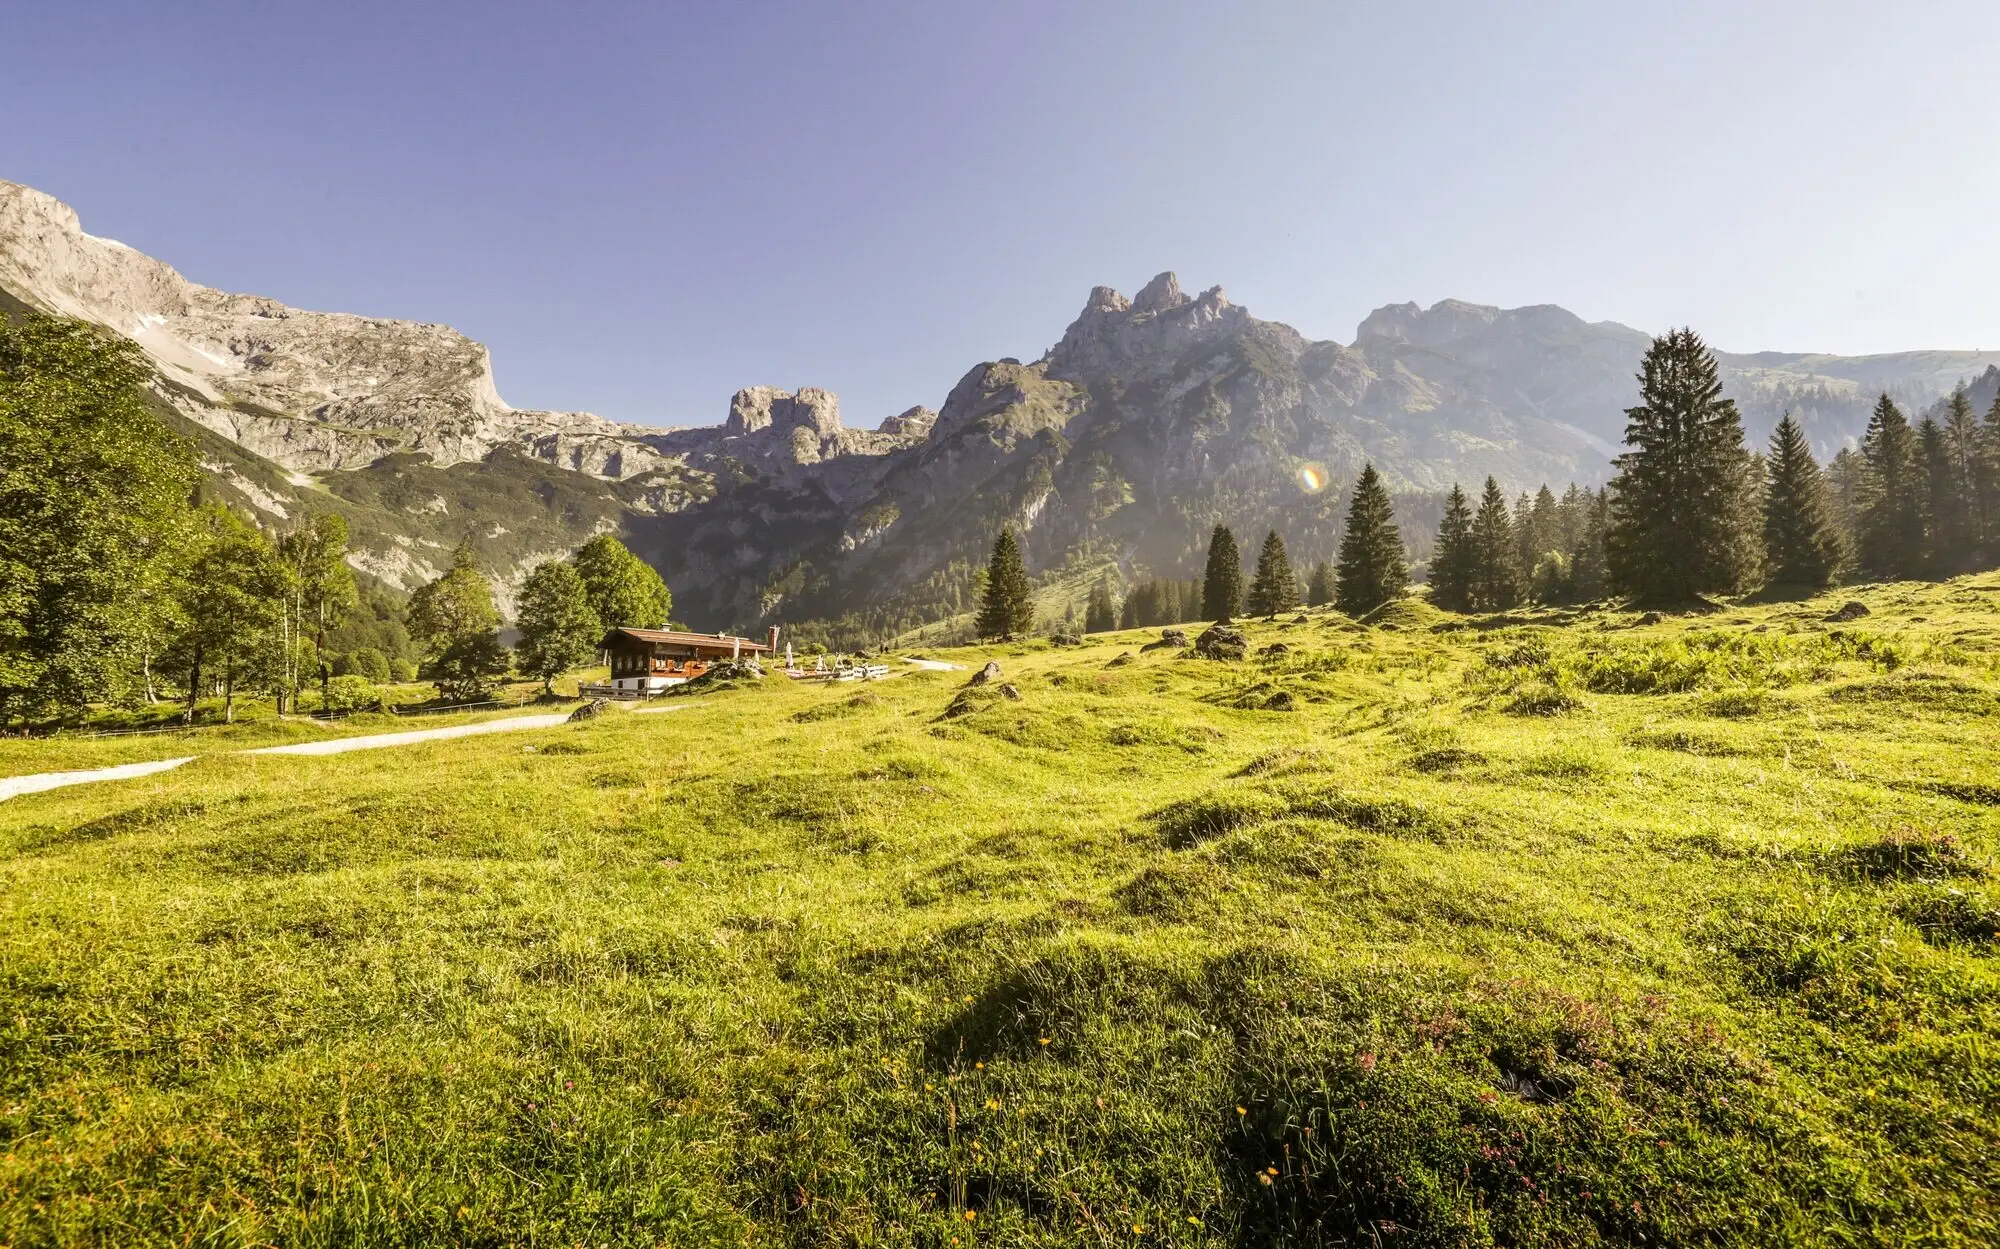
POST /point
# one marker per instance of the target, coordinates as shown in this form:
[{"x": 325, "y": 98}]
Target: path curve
[{"x": 15, "y": 786}]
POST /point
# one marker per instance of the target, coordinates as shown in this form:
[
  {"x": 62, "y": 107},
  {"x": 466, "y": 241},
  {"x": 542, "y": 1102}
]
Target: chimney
[{"x": 774, "y": 639}]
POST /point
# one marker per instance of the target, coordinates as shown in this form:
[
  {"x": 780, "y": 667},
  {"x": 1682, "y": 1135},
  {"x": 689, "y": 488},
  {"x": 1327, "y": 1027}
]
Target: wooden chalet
[{"x": 645, "y": 661}]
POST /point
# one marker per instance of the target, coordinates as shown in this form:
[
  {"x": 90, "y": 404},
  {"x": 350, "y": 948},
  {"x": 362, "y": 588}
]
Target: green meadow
[{"x": 1561, "y": 928}]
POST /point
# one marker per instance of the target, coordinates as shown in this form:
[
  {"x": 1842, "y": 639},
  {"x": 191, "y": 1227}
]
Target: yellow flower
[
  {"x": 1045, "y": 1040},
  {"x": 979, "y": 1066},
  {"x": 1193, "y": 1220},
  {"x": 1138, "y": 1229},
  {"x": 1241, "y": 1111},
  {"x": 993, "y": 1103},
  {"x": 1263, "y": 1179},
  {"x": 969, "y": 1216}
]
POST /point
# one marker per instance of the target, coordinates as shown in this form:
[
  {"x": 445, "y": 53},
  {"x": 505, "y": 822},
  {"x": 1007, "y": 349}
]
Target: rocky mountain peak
[
  {"x": 760, "y": 407},
  {"x": 1160, "y": 294},
  {"x": 1115, "y": 336},
  {"x": 914, "y": 422}
]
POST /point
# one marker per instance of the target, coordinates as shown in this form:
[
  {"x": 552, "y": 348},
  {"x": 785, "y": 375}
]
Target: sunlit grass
[{"x": 1568, "y": 931}]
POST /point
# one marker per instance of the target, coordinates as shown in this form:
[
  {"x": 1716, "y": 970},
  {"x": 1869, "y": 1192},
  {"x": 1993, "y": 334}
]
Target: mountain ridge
[{"x": 1146, "y": 420}]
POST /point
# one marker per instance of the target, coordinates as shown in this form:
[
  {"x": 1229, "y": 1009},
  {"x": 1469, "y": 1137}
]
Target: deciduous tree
[
  {"x": 559, "y": 628},
  {"x": 624, "y": 590}
]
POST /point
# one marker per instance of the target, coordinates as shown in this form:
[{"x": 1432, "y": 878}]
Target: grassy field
[{"x": 1560, "y": 930}]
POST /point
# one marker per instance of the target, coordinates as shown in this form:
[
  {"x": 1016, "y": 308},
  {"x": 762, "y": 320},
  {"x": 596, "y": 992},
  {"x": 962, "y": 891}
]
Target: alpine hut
[{"x": 645, "y": 661}]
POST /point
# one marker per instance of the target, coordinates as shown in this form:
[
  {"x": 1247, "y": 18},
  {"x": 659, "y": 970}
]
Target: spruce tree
[
  {"x": 1319, "y": 587},
  {"x": 1274, "y": 588},
  {"x": 1008, "y": 605},
  {"x": 1986, "y": 470},
  {"x": 1371, "y": 570},
  {"x": 1588, "y": 576},
  {"x": 1222, "y": 583},
  {"x": 1102, "y": 615},
  {"x": 1944, "y": 519},
  {"x": 1453, "y": 560},
  {"x": 1801, "y": 540},
  {"x": 1847, "y": 491},
  {"x": 1496, "y": 563},
  {"x": 1892, "y": 518},
  {"x": 1680, "y": 521},
  {"x": 1960, "y": 527}
]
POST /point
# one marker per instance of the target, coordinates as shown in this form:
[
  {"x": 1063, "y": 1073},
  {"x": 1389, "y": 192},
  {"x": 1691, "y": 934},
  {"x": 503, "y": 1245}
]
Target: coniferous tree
[
  {"x": 1801, "y": 539},
  {"x": 1535, "y": 527},
  {"x": 1986, "y": 469},
  {"x": 1274, "y": 588},
  {"x": 1008, "y": 606},
  {"x": 1572, "y": 516},
  {"x": 1222, "y": 583},
  {"x": 1680, "y": 521},
  {"x": 1102, "y": 615},
  {"x": 1943, "y": 517},
  {"x": 1371, "y": 570},
  {"x": 1454, "y": 559},
  {"x": 1959, "y": 527},
  {"x": 1589, "y": 577},
  {"x": 1847, "y": 492},
  {"x": 1496, "y": 570},
  {"x": 559, "y": 628},
  {"x": 1319, "y": 587},
  {"x": 1892, "y": 514}
]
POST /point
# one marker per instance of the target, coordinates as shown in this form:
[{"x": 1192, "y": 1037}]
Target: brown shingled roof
[{"x": 685, "y": 639}]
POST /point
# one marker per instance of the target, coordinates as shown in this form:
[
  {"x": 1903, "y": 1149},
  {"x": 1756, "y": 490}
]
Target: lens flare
[{"x": 1312, "y": 478}]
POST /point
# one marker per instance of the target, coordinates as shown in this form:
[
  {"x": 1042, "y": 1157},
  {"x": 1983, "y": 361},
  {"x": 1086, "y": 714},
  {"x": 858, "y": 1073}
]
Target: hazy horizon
[{"x": 640, "y": 210}]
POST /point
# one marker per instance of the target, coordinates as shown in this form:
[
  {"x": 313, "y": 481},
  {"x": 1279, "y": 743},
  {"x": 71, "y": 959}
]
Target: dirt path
[
  {"x": 375, "y": 741},
  {"x": 15, "y": 786},
  {"x": 933, "y": 665}
]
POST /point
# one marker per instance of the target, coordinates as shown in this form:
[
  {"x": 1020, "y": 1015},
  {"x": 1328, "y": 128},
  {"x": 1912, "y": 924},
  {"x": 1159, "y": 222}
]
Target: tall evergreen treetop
[
  {"x": 1274, "y": 588},
  {"x": 1680, "y": 520},
  {"x": 1102, "y": 614},
  {"x": 1496, "y": 578},
  {"x": 1802, "y": 543},
  {"x": 1008, "y": 606},
  {"x": 1222, "y": 582},
  {"x": 1452, "y": 561},
  {"x": 1371, "y": 569},
  {"x": 1892, "y": 514}
]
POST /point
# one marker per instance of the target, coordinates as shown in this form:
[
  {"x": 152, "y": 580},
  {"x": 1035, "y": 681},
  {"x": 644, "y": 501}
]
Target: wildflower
[
  {"x": 1241, "y": 1111},
  {"x": 969, "y": 1216},
  {"x": 993, "y": 1103},
  {"x": 979, "y": 1066},
  {"x": 1045, "y": 1040},
  {"x": 1193, "y": 1220},
  {"x": 1263, "y": 1179},
  {"x": 1271, "y": 1171},
  {"x": 1138, "y": 1229}
]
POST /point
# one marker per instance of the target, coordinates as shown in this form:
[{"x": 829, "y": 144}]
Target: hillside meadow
[{"x": 1564, "y": 928}]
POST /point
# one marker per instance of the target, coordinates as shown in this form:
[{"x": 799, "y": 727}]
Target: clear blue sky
[{"x": 644, "y": 206}]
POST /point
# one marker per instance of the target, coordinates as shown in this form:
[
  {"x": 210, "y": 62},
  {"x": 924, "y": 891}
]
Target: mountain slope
[{"x": 1147, "y": 421}]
